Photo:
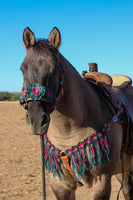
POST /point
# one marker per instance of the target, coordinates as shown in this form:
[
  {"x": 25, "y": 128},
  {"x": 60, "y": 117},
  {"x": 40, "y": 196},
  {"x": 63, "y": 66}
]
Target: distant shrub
[
  {"x": 7, "y": 96},
  {"x": 14, "y": 97}
]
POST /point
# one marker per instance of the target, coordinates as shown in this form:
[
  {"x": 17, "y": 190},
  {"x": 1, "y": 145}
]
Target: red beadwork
[
  {"x": 49, "y": 94},
  {"x": 69, "y": 152},
  {"x": 23, "y": 94},
  {"x": 35, "y": 91},
  {"x": 75, "y": 148}
]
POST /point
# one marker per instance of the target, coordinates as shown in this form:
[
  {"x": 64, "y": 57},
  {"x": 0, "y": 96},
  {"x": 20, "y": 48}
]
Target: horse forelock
[{"x": 42, "y": 46}]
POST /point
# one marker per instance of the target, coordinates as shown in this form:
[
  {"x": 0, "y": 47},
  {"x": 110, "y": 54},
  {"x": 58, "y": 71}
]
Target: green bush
[
  {"x": 7, "y": 96},
  {"x": 14, "y": 97}
]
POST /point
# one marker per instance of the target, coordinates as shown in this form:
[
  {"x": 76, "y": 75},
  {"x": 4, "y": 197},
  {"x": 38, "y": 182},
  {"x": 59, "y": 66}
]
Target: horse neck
[
  {"x": 80, "y": 101},
  {"x": 78, "y": 112}
]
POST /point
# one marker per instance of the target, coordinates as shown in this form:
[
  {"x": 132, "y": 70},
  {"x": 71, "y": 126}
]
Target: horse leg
[
  {"x": 61, "y": 192},
  {"x": 102, "y": 188},
  {"x": 127, "y": 188}
]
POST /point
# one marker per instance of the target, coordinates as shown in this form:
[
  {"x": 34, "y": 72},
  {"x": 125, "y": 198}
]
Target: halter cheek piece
[{"x": 37, "y": 92}]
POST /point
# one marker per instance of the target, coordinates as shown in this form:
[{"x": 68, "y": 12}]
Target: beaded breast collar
[{"x": 97, "y": 145}]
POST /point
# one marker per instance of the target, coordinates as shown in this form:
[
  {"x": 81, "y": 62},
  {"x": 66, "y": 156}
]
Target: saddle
[
  {"x": 118, "y": 86},
  {"x": 115, "y": 80},
  {"x": 120, "y": 91}
]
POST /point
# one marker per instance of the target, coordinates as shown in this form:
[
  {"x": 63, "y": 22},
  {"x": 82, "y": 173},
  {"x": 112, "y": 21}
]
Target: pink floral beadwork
[
  {"x": 69, "y": 152},
  {"x": 56, "y": 152},
  {"x": 104, "y": 129},
  {"x": 94, "y": 137},
  {"x": 81, "y": 145},
  {"x": 23, "y": 94},
  {"x": 35, "y": 91},
  {"x": 51, "y": 148},
  {"x": 48, "y": 144},
  {"x": 49, "y": 94},
  {"x": 75, "y": 148},
  {"x": 99, "y": 133},
  {"x": 87, "y": 141}
]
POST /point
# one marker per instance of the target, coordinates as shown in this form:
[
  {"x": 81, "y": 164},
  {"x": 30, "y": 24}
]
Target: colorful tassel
[{"x": 98, "y": 146}]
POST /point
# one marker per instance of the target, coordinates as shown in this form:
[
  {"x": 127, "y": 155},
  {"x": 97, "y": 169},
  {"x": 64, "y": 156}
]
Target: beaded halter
[{"x": 37, "y": 92}]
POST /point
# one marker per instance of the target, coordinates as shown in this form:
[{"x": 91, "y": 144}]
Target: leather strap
[
  {"x": 114, "y": 120},
  {"x": 65, "y": 161}
]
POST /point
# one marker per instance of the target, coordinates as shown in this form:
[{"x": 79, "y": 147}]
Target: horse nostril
[
  {"x": 45, "y": 120},
  {"x": 28, "y": 120}
]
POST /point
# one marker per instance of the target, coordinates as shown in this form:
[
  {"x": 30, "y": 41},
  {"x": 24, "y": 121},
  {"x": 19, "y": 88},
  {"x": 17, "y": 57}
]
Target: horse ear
[
  {"x": 55, "y": 38},
  {"x": 28, "y": 38}
]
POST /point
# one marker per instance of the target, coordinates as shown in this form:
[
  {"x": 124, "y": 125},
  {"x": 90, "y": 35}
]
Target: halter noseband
[{"x": 37, "y": 92}]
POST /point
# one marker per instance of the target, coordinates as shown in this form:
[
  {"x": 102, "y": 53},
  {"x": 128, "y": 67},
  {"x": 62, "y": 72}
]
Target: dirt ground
[{"x": 20, "y": 160}]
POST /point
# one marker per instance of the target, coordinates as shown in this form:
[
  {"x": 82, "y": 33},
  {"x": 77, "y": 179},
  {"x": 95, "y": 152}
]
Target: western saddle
[{"x": 119, "y": 87}]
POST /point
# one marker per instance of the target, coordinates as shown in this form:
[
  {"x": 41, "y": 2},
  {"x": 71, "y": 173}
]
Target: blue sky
[{"x": 98, "y": 31}]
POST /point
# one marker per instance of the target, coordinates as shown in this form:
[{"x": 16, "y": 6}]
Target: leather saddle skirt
[
  {"x": 119, "y": 89},
  {"x": 118, "y": 86}
]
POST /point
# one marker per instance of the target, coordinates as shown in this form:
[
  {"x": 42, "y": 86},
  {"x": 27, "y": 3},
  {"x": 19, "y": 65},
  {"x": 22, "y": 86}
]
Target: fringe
[
  {"x": 98, "y": 146},
  {"x": 52, "y": 159}
]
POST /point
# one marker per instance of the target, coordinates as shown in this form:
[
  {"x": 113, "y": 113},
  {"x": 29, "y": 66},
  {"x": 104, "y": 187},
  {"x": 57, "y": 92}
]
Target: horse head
[{"x": 42, "y": 79}]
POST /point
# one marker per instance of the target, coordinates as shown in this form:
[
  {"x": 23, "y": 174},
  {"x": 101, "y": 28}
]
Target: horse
[{"x": 83, "y": 133}]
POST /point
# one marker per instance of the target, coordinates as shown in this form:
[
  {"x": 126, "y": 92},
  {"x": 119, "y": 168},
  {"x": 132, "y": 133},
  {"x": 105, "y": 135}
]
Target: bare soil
[{"x": 20, "y": 160}]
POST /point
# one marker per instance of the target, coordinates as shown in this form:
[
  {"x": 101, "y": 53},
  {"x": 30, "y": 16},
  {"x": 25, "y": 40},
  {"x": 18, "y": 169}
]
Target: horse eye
[
  {"x": 23, "y": 67},
  {"x": 25, "y": 106},
  {"x": 22, "y": 70}
]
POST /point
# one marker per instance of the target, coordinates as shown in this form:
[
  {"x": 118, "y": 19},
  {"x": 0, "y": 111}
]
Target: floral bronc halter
[{"x": 37, "y": 92}]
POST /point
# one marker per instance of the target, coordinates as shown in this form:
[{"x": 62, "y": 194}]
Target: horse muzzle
[{"x": 38, "y": 126}]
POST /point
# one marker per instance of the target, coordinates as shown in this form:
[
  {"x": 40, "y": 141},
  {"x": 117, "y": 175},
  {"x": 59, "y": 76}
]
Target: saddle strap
[{"x": 115, "y": 118}]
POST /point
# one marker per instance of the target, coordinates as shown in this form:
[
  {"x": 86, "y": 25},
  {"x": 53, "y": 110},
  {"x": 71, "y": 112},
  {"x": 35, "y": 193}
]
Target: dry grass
[{"x": 20, "y": 160}]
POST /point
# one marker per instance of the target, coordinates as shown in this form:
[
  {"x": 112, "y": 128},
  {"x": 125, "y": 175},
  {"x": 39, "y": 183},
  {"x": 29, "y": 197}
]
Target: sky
[{"x": 98, "y": 31}]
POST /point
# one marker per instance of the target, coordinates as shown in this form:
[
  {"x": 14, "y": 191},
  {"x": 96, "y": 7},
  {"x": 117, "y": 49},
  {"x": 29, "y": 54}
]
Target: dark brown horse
[{"x": 82, "y": 129}]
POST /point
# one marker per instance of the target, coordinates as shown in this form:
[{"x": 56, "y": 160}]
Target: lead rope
[{"x": 43, "y": 167}]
